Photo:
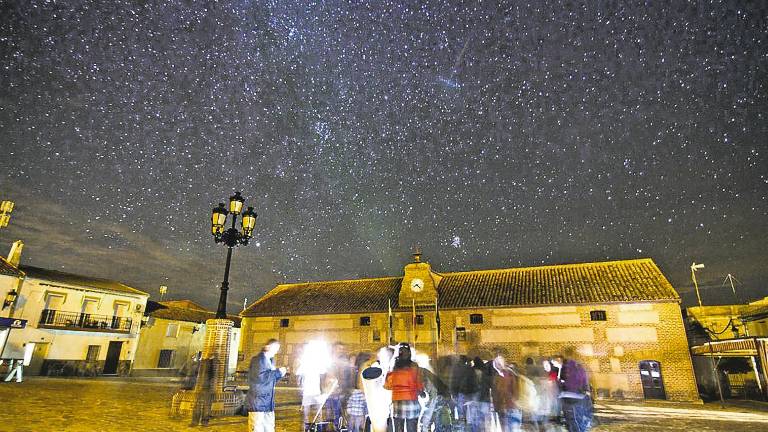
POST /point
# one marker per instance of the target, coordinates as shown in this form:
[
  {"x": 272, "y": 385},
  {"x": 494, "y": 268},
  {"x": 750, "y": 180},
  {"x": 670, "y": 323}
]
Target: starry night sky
[{"x": 493, "y": 136}]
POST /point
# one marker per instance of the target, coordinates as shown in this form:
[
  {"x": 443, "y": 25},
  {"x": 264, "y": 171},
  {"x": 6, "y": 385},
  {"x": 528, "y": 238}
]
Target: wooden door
[
  {"x": 113, "y": 358},
  {"x": 653, "y": 383},
  {"x": 38, "y": 358}
]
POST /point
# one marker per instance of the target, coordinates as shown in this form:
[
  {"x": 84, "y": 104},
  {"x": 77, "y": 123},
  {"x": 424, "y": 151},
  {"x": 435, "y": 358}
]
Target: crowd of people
[{"x": 400, "y": 390}]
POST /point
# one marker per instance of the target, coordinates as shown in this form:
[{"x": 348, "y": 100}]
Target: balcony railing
[{"x": 84, "y": 321}]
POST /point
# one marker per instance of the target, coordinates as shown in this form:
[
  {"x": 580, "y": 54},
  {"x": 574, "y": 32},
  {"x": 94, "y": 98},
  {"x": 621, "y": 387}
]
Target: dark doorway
[
  {"x": 113, "y": 358},
  {"x": 653, "y": 384}
]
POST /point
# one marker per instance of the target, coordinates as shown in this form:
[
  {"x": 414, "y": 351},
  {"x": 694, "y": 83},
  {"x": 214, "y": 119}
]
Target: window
[
  {"x": 476, "y": 319},
  {"x": 121, "y": 309},
  {"x": 54, "y": 301},
  {"x": 461, "y": 334},
  {"x": 284, "y": 322},
  {"x": 597, "y": 315},
  {"x": 365, "y": 321},
  {"x": 172, "y": 330},
  {"x": 376, "y": 335},
  {"x": 166, "y": 358},
  {"x": 93, "y": 353},
  {"x": 419, "y": 319},
  {"x": 90, "y": 305}
]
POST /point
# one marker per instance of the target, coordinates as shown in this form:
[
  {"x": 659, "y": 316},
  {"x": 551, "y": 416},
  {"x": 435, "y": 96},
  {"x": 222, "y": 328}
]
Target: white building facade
[{"x": 75, "y": 325}]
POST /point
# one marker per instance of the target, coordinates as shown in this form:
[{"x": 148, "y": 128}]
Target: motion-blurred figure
[
  {"x": 504, "y": 395},
  {"x": 378, "y": 399},
  {"x": 405, "y": 383},
  {"x": 574, "y": 395}
]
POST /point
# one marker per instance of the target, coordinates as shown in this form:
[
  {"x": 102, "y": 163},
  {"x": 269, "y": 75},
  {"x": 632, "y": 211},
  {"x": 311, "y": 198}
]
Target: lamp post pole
[
  {"x": 231, "y": 237},
  {"x": 221, "y": 311}
]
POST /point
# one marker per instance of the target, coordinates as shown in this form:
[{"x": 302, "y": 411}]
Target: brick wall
[{"x": 610, "y": 349}]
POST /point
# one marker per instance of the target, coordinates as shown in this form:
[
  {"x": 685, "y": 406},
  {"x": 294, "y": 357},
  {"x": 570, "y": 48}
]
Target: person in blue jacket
[{"x": 262, "y": 376}]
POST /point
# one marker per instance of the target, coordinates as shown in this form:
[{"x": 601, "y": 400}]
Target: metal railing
[{"x": 76, "y": 320}]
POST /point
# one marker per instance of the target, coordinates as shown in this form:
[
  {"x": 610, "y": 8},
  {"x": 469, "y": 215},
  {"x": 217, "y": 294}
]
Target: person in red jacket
[{"x": 405, "y": 383}]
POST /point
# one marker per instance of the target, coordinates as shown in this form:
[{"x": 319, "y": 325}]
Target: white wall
[{"x": 72, "y": 344}]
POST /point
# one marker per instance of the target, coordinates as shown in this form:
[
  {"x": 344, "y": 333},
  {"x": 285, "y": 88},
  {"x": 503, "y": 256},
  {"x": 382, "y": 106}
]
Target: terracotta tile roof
[
  {"x": 6, "y": 269},
  {"x": 56, "y": 276},
  {"x": 174, "y": 313},
  {"x": 186, "y": 304},
  {"x": 604, "y": 282},
  {"x": 360, "y": 295}
]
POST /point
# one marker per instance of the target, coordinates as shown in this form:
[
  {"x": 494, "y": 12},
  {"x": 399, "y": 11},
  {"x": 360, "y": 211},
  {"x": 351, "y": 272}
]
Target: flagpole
[
  {"x": 437, "y": 330},
  {"x": 389, "y": 328},
  {"x": 413, "y": 322}
]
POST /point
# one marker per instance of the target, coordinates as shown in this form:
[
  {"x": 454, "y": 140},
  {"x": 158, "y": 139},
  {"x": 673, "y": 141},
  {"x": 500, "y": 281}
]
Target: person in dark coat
[{"x": 262, "y": 376}]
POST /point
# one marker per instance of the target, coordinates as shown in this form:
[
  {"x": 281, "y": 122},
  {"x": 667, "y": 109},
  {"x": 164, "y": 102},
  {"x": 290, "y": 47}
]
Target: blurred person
[
  {"x": 338, "y": 373},
  {"x": 435, "y": 395},
  {"x": 201, "y": 412},
  {"x": 313, "y": 363},
  {"x": 463, "y": 387},
  {"x": 378, "y": 399},
  {"x": 262, "y": 377},
  {"x": 189, "y": 372},
  {"x": 479, "y": 417},
  {"x": 405, "y": 383},
  {"x": 547, "y": 392},
  {"x": 356, "y": 411},
  {"x": 504, "y": 395},
  {"x": 574, "y": 397}
]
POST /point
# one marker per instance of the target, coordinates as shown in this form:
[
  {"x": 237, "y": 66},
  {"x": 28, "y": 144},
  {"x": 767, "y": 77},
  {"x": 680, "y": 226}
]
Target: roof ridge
[
  {"x": 338, "y": 281},
  {"x": 569, "y": 265}
]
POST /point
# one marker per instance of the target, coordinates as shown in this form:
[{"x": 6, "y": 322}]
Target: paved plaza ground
[{"x": 48, "y": 404}]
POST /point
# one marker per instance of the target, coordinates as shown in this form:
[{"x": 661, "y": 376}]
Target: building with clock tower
[{"x": 623, "y": 318}]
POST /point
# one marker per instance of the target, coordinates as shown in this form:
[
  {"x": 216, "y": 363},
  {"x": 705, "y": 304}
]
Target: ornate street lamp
[{"x": 231, "y": 237}]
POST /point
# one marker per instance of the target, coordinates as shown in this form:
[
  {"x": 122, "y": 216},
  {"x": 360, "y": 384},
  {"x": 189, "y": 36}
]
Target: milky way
[{"x": 492, "y": 136}]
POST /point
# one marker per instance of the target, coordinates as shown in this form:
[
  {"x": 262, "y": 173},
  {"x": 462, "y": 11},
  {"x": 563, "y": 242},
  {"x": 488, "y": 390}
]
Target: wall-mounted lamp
[
  {"x": 10, "y": 298},
  {"x": 195, "y": 329}
]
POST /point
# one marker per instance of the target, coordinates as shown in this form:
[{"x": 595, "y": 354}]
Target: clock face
[{"x": 417, "y": 285}]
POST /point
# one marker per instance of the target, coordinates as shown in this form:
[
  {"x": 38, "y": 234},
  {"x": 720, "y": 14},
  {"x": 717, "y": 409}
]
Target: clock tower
[{"x": 419, "y": 283}]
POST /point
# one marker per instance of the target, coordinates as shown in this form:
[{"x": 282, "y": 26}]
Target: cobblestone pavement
[{"x": 48, "y": 404}]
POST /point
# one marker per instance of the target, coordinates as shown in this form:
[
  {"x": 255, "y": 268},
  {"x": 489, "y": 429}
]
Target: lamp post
[
  {"x": 231, "y": 237},
  {"x": 6, "y": 207}
]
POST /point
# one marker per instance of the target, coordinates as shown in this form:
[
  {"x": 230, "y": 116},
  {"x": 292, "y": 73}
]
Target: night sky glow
[{"x": 493, "y": 136}]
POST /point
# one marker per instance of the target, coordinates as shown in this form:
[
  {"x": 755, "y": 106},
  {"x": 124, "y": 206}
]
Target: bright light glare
[{"x": 315, "y": 359}]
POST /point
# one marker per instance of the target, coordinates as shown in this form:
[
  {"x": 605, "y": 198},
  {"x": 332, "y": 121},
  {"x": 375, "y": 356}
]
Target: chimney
[{"x": 14, "y": 256}]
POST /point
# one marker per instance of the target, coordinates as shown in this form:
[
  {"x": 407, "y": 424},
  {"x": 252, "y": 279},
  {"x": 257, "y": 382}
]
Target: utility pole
[{"x": 715, "y": 375}]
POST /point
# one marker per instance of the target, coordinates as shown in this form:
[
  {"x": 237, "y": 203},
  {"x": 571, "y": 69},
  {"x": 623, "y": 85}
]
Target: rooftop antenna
[
  {"x": 730, "y": 279},
  {"x": 695, "y": 267},
  {"x": 163, "y": 290}
]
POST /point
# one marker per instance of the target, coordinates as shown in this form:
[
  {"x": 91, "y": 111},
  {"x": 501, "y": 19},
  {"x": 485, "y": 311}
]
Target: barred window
[
  {"x": 365, "y": 321},
  {"x": 93, "y": 353},
  {"x": 476, "y": 319},
  {"x": 166, "y": 358},
  {"x": 461, "y": 334},
  {"x": 419, "y": 319},
  {"x": 597, "y": 315},
  {"x": 284, "y": 322}
]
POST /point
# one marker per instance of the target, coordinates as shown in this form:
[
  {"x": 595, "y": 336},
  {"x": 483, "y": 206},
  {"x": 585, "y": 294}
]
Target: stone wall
[{"x": 610, "y": 349}]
